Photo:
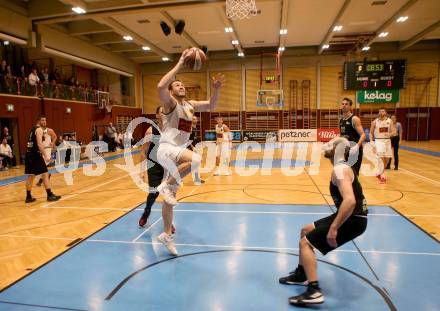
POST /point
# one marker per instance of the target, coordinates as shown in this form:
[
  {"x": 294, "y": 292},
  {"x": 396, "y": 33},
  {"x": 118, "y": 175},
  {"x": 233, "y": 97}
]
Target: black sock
[
  {"x": 301, "y": 268},
  {"x": 28, "y": 194},
  {"x": 49, "y": 192},
  {"x": 314, "y": 285}
]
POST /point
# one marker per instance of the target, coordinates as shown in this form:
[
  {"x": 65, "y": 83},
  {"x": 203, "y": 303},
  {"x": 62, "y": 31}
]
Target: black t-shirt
[
  {"x": 361, "y": 204},
  {"x": 347, "y": 129},
  {"x": 152, "y": 152},
  {"x": 194, "y": 139},
  {"x": 32, "y": 145}
]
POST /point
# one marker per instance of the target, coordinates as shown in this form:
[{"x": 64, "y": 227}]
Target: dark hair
[
  {"x": 158, "y": 109},
  {"x": 41, "y": 116},
  {"x": 350, "y": 102},
  {"x": 170, "y": 86}
]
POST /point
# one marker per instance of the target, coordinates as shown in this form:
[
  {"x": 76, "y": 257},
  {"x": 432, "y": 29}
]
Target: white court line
[
  {"x": 140, "y": 235},
  {"x": 232, "y": 212},
  {"x": 243, "y": 247},
  {"x": 92, "y": 208},
  {"x": 35, "y": 237},
  {"x": 146, "y": 230},
  {"x": 435, "y": 182},
  {"x": 235, "y": 247},
  {"x": 87, "y": 189}
]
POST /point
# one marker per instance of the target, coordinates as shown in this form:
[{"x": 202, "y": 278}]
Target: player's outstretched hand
[
  {"x": 218, "y": 80},
  {"x": 183, "y": 56}
]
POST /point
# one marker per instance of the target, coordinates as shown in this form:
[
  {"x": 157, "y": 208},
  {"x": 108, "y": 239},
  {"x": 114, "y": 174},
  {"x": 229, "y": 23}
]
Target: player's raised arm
[
  {"x": 162, "y": 87},
  {"x": 208, "y": 105}
]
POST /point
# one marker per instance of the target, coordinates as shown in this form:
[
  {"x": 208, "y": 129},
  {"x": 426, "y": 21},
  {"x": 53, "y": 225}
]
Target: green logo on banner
[{"x": 378, "y": 96}]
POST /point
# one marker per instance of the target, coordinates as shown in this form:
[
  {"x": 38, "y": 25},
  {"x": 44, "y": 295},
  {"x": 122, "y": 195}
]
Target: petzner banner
[{"x": 378, "y": 96}]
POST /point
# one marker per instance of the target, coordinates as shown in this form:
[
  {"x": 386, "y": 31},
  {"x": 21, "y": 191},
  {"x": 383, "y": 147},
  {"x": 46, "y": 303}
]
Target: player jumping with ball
[{"x": 172, "y": 153}]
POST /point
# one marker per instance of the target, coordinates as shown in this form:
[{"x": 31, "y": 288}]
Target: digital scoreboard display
[{"x": 371, "y": 75}]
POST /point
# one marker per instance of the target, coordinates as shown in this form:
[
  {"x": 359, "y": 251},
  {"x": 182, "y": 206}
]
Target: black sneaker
[
  {"x": 297, "y": 277},
  {"x": 53, "y": 197},
  {"x": 143, "y": 220},
  {"x": 30, "y": 200},
  {"x": 311, "y": 296}
]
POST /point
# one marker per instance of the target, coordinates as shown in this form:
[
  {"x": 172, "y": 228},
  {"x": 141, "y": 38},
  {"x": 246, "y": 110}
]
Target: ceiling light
[
  {"x": 241, "y": 54},
  {"x": 383, "y": 34},
  {"x": 337, "y": 28},
  {"x": 281, "y": 48},
  {"x": 325, "y": 46},
  {"x": 78, "y": 10},
  {"x": 283, "y": 31},
  {"x": 128, "y": 38},
  {"x": 365, "y": 48},
  {"x": 229, "y": 29},
  {"x": 146, "y": 48},
  {"x": 234, "y": 42},
  {"x": 165, "y": 59},
  {"x": 401, "y": 19},
  {"x": 6, "y": 42}
]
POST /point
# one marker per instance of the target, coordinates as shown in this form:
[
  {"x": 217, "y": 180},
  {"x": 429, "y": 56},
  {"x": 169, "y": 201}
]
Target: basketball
[{"x": 195, "y": 59}]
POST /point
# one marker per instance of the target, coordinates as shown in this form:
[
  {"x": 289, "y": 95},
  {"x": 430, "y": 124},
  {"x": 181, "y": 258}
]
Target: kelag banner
[{"x": 378, "y": 96}]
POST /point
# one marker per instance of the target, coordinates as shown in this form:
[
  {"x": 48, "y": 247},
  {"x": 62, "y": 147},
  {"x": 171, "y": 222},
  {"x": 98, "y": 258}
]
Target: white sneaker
[
  {"x": 197, "y": 182},
  {"x": 168, "y": 241},
  {"x": 216, "y": 173},
  {"x": 227, "y": 173},
  {"x": 167, "y": 193}
]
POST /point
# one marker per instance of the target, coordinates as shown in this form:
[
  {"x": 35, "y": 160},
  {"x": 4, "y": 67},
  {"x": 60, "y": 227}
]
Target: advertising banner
[
  {"x": 298, "y": 135},
  {"x": 325, "y": 135}
]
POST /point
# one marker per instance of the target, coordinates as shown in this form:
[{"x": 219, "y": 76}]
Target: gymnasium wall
[
  {"x": 327, "y": 69},
  {"x": 81, "y": 118}
]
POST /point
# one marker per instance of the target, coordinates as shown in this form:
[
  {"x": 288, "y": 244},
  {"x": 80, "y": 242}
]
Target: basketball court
[{"x": 236, "y": 235}]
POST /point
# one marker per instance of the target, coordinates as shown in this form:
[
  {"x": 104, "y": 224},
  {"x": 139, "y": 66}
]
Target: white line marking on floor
[
  {"x": 146, "y": 230},
  {"x": 36, "y": 237},
  {"x": 435, "y": 182},
  {"x": 243, "y": 247},
  {"x": 87, "y": 189},
  {"x": 232, "y": 212}
]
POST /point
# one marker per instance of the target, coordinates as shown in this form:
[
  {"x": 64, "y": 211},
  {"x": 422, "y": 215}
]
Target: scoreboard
[{"x": 372, "y": 75}]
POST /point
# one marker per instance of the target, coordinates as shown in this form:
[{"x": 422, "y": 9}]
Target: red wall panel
[{"x": 81, "y": 118}]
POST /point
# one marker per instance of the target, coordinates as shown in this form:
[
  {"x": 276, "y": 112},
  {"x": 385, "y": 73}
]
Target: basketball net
[{"x": 240, "y": 9}]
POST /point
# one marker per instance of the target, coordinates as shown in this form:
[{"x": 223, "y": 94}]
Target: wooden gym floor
[{"x": 33, "y": 234}]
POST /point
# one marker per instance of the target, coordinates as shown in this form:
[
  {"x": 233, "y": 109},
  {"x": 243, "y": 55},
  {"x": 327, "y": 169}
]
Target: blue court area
[{"x": 230, "y": 258}]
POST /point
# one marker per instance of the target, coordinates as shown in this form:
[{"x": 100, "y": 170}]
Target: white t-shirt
[
  {"x": 177, "y": 125},
  {"x": 382, "y": 129},
  {"x": 220, "y": 131},
  {"x": 5, "y": 149},
  {"x": 33, "y": 79}
]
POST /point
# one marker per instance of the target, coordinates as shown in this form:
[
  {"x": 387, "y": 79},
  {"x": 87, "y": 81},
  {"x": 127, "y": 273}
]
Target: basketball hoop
[{"x": 240, "y": 9}]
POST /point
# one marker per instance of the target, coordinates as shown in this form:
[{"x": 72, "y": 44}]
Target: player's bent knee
[
  {"x": 303, "y": 243},
  {"x": 196, "y": 160},
  {"x": 306, "y": 229}
]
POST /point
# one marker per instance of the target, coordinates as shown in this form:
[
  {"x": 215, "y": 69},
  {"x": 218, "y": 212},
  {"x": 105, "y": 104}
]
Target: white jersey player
[
  {"x": 382, "y": 128},
  {"x": 223, "y": 147},
  {"x": 172, "y": 153}
]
